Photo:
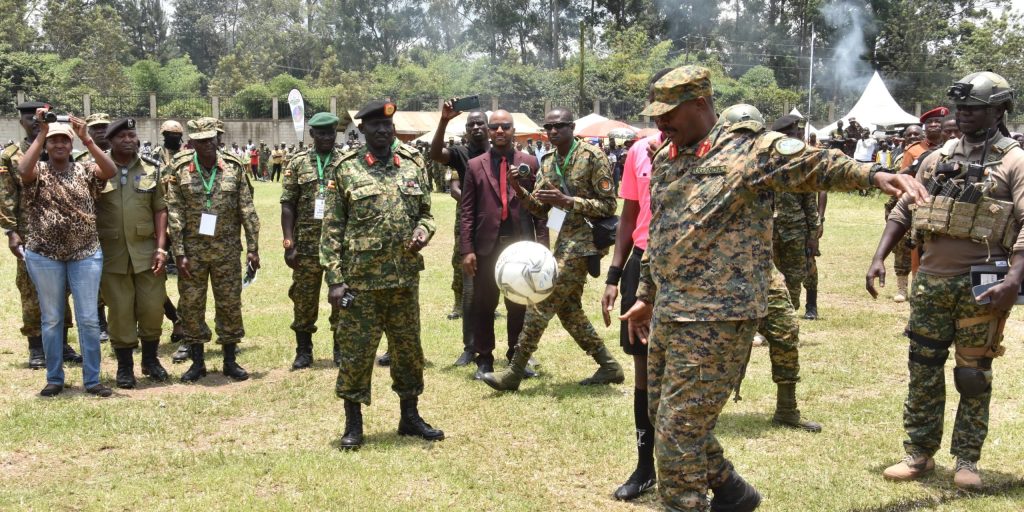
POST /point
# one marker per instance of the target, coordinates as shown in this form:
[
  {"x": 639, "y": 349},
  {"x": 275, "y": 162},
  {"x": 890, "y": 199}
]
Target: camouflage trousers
[
  {"x": 790, "y": 258},
  {"x": 692, "y": 368},
  {"x": 811, "y": 281},
  {"x": 30, "y": 314},
  {"x": 394, "y": 312},
  {"x": 781, "y": 330},
  {"x": 307, "y": 278},
  {"x": 566, "y": 302},
  {"x": 901, "y": 253},
  {"x": 225, "y": 277},
  {"x": 136, "y": 303},
  {"x": 936, "y": 303}
]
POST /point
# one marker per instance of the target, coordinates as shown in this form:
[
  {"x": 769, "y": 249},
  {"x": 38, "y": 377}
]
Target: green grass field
[{"x": 270, "y": 443}]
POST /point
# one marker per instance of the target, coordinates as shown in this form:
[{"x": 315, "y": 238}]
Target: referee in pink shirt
[{"x": 630, "y": 243}]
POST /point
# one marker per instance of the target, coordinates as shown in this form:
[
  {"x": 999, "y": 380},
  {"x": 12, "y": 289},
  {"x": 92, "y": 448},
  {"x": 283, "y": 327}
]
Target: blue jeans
[{"x": 51, "y": 277}]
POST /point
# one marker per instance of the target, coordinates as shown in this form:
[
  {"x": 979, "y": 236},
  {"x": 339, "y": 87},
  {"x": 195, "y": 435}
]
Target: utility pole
[
  {"x": 582, "y": 48},
  {"x": 810, "y": 88}
]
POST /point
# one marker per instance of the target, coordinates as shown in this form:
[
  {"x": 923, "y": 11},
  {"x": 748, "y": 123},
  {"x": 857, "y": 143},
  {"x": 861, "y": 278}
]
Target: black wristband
[{"x": 614, "y": 275}]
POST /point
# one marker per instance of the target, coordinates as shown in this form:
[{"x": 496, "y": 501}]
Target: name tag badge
[
  {"x": 318, "y": 208},
  {"x": 208, "y": 224},
  {"x": 556, "y": 217},
  {"x": 708, "y": 171}
]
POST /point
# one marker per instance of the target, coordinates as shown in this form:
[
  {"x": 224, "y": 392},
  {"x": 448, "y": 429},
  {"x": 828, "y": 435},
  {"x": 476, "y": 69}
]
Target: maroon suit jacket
[{"x": 480, "y": 210}]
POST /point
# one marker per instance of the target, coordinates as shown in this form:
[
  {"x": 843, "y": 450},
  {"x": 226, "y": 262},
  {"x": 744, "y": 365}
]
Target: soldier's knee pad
[
  {"x": 920, "y": 342},
  {"x": 971, "y": 382}
]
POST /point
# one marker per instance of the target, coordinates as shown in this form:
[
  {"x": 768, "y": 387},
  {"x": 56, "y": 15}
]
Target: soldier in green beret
[
  {"x": 377, "y": 219},
  {"x": 303, "y": 196},
  {"x": 209, "y": 203},
  {"x": 131, "y": 219}
]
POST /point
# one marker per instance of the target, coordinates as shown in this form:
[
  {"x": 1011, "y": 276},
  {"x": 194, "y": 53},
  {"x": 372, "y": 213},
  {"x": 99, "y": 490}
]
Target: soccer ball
[{"x": 526, "y": 273}]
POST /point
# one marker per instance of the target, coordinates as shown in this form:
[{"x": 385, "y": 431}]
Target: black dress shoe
[
  {"x": 466, "y": 358},
  {"x": 384, "y": 359},
  {"x": 70, "y": 356},
  {"x": 51, "y": 390},
  {"x": 637, "y": 483},
  {"x": 481, "y": 369},
  {"x": 181, "y": 355},
  {"x": 100, "y": 390}
]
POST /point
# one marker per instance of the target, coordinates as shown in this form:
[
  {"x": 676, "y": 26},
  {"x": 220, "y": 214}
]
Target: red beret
[{"x": 935, "y": 112}]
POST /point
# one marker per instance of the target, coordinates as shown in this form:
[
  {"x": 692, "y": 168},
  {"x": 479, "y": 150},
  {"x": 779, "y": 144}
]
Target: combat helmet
[
  {"x": 982, "y": 88},
  {"x": 742, "y": 112},
  {"x": 171, "y": 126}
]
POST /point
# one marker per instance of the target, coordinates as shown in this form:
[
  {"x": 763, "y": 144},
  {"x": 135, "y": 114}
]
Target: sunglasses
[
  {"x": 503, "y": 126},
  {"x": 556, "y": 126}
]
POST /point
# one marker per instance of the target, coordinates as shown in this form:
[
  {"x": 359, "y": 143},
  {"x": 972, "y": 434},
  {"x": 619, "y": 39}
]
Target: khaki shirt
[
  {"x": 124, "y": 218},
  {"x": 947, "y": 256}
]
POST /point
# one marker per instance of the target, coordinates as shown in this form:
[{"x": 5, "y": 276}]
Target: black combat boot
[
  {"x": 412, "y": 424},
  {"x": 303, "y": 350},
  {"x": 198, "y": 368},
  {"x": 36, "y": 356},
  {"x": 735, "y": 495},
  {"x": 151, "y": 366},
  {"x": 786, "y": 413},
  {"x": 352, "y": 439},
  {"x": 125, "y": 368},
  {"x": 811, "y": 313},
  {"x": 384, "y": 359},
  {"x": 70, "y": 356},
  {"x": 101, "y": 315},
  {"x": 231, "y": 368}
]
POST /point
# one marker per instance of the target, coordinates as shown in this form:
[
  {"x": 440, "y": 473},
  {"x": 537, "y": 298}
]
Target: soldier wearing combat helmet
[{"x": 973, "y": 219}]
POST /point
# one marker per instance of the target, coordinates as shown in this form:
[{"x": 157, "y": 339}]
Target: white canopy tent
[{"x": 875, "y": 108}]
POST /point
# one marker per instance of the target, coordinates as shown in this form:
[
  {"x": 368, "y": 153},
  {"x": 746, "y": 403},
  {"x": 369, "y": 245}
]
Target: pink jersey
[{"x": 636, "y": 186}]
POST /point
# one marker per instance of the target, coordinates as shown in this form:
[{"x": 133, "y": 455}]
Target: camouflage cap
[
  {"x": 219, "y": 124},
  {"x": 97, "y": 118},
  {"x": 202, "y": 128},
  {"x": 679, "y": 85}
]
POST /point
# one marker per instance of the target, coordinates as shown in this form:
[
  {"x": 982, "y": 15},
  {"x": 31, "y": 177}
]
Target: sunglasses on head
[
  {"x": 556, "y": 126},
  {"x": 503, "y": 126}
]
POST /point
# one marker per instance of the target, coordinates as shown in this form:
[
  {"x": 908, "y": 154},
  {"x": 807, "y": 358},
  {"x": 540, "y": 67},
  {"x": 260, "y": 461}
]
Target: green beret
[{"x": 323, "y": 120}]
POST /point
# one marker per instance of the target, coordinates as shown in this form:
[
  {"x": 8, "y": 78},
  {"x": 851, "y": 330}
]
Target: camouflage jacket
[
  {"x": 709, "y": 257},
  {"x": 10, "y": 187},
  {"x": 373, "y": 206},
  {"x": 300, "y": 187},
  {"x": 588, "y": 178},
  {"x": 796, "y": 215},
  {"x": 230, "y": 199}
]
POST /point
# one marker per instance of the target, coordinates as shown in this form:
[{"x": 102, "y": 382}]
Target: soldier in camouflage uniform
[
  {"x": 944, "y": 312},
  {"x": 376, "y": 221},
  {"x": 795, "y": 229},
  {"x": 576, "y": 180},
  {"x": 208, "y": 203},
  {"x": 14, "y": 226},
  {"x": 705, "y": 275},
  {"x": 303, "y": 196}
]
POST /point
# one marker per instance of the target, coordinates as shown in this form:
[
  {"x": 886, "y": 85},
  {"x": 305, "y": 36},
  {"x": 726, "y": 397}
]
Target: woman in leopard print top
[{"x": 61, "y": 245}]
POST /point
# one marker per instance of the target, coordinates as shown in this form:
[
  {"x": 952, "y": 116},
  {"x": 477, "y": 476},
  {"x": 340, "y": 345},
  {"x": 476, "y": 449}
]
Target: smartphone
[
  {"x": 980, "y": 289},
  {"x": 466, "y": 103}
]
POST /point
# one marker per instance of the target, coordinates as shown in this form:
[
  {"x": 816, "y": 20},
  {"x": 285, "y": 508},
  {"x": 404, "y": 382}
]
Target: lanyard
[
  {"x": 320, "y": 169},
  {"x": 565, "y": 163},
  {"x": 207, "y": 185}
]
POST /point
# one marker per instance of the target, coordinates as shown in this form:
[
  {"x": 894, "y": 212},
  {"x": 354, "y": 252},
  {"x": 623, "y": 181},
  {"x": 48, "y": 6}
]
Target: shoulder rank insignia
[
  {"x": 788, "y": 146},
  {"x": 604, "y": 185}
]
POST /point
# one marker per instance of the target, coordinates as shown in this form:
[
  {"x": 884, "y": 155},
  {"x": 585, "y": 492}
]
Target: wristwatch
[{"x": 287, "y": 244}]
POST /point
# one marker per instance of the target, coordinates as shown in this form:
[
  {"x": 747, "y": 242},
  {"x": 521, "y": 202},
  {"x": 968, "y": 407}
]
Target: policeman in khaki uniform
[
  {"x": 14, "y": 226},
  {"x": 209, "y": 202},
  {"x": 131, "y": 219},
  {"x": 973, "y": 219},
  {"x": 705, "y": 274},
  {"x": 575, "y": 183},
  {"x": 376, "y": 221},
  {"x": 303, "y": 197}
]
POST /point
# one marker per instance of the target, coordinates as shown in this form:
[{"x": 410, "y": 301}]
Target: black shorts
[{"x": 627, "y": 290}]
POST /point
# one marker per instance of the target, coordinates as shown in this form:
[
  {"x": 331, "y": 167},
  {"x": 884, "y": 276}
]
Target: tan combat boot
[
  {"x": 901, "y": 289},
  {"x": 967, "y": 476},
  {"x": 509, "y": 379},
  {"x": 910, "y": 468}
]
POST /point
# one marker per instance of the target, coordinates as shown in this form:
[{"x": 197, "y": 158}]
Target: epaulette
[
  {"x": 547, "y": 155},
  {"x": 300, "y": 154},
  {"x": 767, "y": 140},
  {"x": 345, "y": 155},
  {"x": 1005, "y": 144},
  {"x": 748, "y": 125},
  {"x": 947, "y": 148},
  {"x": 407, "y": 151},
  {"x": 232, "y": 158},
  {"x": 184, "y": 154},
  {"x": 588, "y": 147}
]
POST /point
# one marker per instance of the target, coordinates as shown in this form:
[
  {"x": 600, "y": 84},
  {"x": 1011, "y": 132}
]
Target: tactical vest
[{"x": 961, "y": 205}]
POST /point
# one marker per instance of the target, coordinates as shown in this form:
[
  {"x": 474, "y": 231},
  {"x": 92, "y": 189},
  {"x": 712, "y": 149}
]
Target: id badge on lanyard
[
  {"x": 208, "y": 224},
  {"x": 318, "y": 207}
]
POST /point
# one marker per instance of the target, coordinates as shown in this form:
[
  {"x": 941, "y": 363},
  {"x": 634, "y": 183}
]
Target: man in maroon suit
[{"x": 492, "y": 218}]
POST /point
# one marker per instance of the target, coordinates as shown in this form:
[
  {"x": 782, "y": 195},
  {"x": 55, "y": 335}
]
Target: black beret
[
  {"x": 30, "y": 106},
  {"x": 785, "y": 122},
  {"x": 376, "y": 109},
  {"x": 126, "y": 123}
]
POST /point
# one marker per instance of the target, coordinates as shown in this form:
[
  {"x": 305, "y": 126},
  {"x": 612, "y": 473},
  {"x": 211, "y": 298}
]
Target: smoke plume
[{"x": 849, "y": 69}]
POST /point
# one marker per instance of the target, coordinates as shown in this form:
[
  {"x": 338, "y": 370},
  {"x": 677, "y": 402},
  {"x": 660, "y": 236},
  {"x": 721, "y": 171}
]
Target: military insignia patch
[
  {"x": 703, "y": 148},
  {"x": 789, "y": 146},
  {"x": 389, "y": 109},
  {"x": 604, "y": 185},
  {"x": 330, "y": 184}
]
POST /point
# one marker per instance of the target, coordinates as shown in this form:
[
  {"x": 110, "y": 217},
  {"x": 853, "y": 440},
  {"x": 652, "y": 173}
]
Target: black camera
[
  {"x": 522, "y": 171},
  {"x": 960, "y": 91},
  {"x": 51, "y": 117}
]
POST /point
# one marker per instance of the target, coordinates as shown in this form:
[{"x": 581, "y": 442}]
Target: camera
[
  {"x": 522, "y": 171},
  {"x": 51, "y": 117}
]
